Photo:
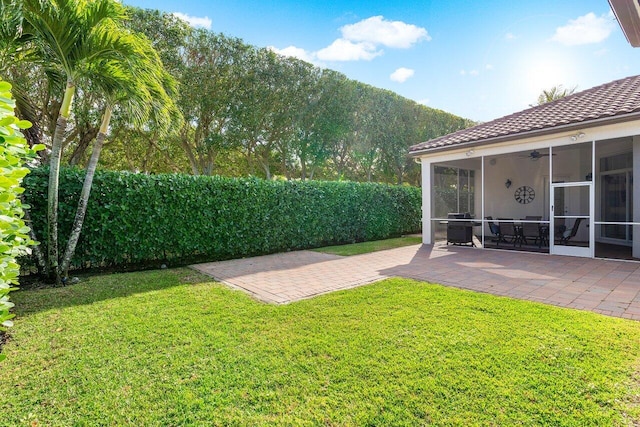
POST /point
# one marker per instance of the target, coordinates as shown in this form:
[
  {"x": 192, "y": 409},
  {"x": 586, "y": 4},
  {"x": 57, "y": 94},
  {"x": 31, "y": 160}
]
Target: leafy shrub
[
  {"x": 135, "y": 219},
  {"x": 14, "y": 234}
]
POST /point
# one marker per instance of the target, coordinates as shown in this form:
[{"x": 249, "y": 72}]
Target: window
[{"x": 454, "y": 191}]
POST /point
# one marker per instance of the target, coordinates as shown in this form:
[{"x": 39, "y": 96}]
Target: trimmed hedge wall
[{"x": 135, "y": 219}]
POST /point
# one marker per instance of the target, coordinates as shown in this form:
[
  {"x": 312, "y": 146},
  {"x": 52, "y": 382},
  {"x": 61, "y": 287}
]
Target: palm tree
[
  {"x": 139, "y": 88},
  {"x": 84, "y": 39},
  {"x": 68, "y": 35},
  {"x": 555, "y": 93}
]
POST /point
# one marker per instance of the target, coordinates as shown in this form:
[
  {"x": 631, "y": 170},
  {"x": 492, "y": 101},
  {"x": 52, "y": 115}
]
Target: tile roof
[{"x": 609, "y": 100}]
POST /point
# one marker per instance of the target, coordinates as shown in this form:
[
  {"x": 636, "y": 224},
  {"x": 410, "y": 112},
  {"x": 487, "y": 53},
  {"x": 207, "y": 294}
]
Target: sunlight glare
[{"x": 547, "y": 71}]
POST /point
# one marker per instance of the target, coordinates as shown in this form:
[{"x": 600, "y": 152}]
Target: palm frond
[
  {"x": 69, "y": 31},
  {"x": 132, "y": 77},
  {"x": 83, "y": 41}
]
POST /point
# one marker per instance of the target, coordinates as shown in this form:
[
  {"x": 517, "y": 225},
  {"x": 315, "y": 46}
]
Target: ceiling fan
[{"x": 535, "y": 155}]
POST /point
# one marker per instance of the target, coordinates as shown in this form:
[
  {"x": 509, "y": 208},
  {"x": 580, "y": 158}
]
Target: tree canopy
[{"x": 241, "y": 110}]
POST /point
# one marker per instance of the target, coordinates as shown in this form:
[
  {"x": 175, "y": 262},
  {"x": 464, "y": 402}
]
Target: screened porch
[{"x": 575, "y": 199}]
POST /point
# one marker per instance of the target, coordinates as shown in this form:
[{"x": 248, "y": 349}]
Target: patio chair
[
  {"x": 569, "y": 234},
  {"x": 495, "y": 230},
  {"x": 531, "y": 230},
  {"x": 559, "y": 229},
  {"x": 508, "y": 231}
]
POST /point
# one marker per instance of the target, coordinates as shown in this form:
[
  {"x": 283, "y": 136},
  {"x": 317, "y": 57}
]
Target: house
[{"x": 560, "y": 175}]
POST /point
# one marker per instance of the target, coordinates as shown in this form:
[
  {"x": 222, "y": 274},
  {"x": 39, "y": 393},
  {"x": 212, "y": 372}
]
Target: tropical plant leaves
[{"x": 14, "y": 239}]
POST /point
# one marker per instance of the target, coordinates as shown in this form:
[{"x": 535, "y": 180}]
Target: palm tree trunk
[
  {"x": 84, "y": 194},
  {"x": 54, "y": 180}
]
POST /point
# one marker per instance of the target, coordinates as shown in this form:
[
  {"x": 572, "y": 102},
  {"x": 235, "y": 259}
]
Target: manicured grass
[
  {"x": 170, "y": 348},
  {"x": 366, "y": 247}
]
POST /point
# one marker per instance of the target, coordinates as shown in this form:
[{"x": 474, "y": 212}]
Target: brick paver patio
[{"x": 603, "y": 286}]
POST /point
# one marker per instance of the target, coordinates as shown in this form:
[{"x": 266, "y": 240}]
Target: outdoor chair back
[
  {"x": 530, "y": 231},
  {"x": 507, "y": 229},
  {"x": 569, "y": 234}
]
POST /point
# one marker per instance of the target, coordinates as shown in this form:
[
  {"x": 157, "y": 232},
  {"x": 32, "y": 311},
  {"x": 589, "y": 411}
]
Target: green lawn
[
  {"x": 170, "y": 348},
  {"x": 366, "y": 247}
]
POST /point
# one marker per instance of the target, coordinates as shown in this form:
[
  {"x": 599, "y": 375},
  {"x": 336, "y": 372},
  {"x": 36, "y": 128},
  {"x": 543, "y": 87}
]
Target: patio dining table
[
  {"x": 542, "y": 237},
  {"x": 519, "y": 236}
]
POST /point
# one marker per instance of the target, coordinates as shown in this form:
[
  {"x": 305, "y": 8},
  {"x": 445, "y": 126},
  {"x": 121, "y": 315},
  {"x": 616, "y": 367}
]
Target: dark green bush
[{"x": 135, "y": 219}]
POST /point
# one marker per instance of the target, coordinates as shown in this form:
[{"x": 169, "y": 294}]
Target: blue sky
[{"x": 479, "y": 60}]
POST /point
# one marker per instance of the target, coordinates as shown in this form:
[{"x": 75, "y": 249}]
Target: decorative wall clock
[{"x": 525, "y": 194}]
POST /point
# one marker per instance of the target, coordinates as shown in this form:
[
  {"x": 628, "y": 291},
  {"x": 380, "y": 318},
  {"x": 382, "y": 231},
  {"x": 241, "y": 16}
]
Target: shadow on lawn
[{"x": 95, "y": 288}]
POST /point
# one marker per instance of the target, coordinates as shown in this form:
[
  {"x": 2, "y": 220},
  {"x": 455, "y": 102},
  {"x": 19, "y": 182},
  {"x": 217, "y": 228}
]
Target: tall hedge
[{"x": 137, "y": 219}]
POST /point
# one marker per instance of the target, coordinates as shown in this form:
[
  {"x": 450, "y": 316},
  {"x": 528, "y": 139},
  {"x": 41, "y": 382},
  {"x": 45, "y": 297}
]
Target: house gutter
[{"x": 532, "y": 133}]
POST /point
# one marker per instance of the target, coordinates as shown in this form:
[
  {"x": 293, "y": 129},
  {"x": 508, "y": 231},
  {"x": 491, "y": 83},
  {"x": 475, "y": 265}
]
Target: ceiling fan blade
[{"x": 534, "y": 155}]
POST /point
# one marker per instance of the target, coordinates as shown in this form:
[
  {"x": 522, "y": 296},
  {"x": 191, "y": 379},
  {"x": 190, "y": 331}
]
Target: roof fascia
[{"x": 628, "y": 15}]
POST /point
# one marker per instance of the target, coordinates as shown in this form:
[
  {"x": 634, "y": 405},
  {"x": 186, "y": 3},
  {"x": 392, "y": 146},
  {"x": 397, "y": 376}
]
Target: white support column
[
  {"x": 592, "y": 202},
  {"x": 427, "y": 229},
  {"x": 482, "y": 214},
  {"x": 636, "y": 196}
]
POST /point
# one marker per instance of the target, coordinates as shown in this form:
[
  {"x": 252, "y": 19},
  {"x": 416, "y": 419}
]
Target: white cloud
[
  {"x": 488, "y": 67},
  {"x": 585, "y": 29},
  {"x": 424, "y": 101},
  {"x": 463, "y": 73},
  {"x": 362, "y": 41},
  {"x": 296, "y": 52},
  {"x": 473, "y": 73},
  {"x": 401, "y": 74},
  {"x": 346, "y": 50},
  {"x": 378, "y": 31},
  {"x": 509, "y": 36},
  {"x": 194, "y": 21}
]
